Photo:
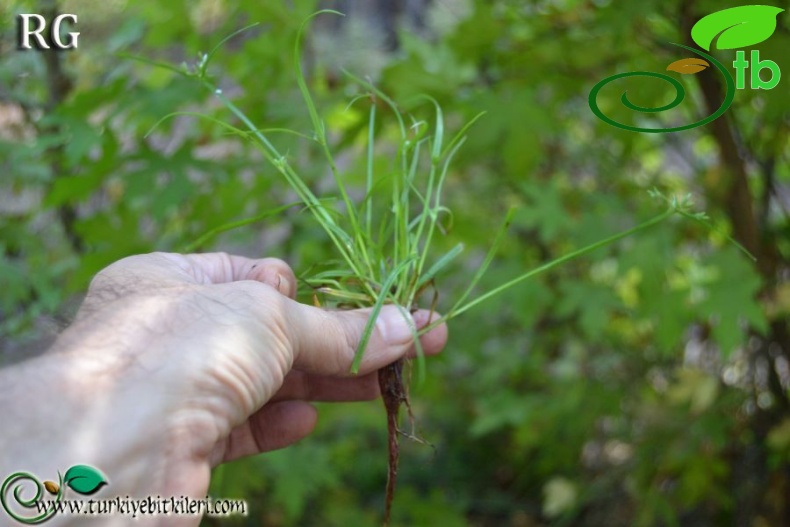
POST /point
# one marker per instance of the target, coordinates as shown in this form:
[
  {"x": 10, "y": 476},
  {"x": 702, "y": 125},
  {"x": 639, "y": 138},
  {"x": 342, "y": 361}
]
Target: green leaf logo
[
  {"x": 737, "y": 27},
  {"x": 84, "y": 479}
]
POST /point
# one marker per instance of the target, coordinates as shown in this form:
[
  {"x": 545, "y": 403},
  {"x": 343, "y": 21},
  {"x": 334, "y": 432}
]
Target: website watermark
[
  {"x": 29, "y": 501},
  {"x": 732, "y": 28},
  {"x": 148, "y": 506}
]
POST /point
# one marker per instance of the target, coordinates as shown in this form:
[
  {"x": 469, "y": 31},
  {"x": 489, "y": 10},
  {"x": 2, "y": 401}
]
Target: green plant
[{"x": 386, "y": 240}]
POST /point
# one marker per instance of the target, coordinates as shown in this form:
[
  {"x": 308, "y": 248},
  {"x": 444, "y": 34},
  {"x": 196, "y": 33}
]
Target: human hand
[{"x": 177, "y": 363}]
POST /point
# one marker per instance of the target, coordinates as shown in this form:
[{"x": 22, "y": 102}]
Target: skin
[{"x": 177, "y": 363}]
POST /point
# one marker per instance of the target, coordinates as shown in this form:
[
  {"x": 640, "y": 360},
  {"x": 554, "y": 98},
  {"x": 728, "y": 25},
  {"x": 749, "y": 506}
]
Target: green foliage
[{"x": 640, "y": 385}]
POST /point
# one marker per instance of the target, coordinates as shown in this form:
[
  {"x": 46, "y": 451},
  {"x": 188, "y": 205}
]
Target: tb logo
[
  {"x": 756, "y": 83},
  {"x": 32, "y": 25},
  {"x": 736, "y": 27}
]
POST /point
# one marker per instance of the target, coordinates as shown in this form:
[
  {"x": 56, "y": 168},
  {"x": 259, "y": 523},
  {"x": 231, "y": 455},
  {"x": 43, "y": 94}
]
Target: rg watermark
[{"x": 34, "y": 31}]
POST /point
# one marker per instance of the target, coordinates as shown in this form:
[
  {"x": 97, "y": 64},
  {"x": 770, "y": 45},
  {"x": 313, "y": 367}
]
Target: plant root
[{"x": 393, "y": 392}]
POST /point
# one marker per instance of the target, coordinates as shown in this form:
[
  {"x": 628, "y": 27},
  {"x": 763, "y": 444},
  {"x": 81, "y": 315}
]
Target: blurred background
[{"x": 643, "y": 385}]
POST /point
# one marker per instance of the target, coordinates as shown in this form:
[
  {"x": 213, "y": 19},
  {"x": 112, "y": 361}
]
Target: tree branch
[{"x": 59, "y": 86}]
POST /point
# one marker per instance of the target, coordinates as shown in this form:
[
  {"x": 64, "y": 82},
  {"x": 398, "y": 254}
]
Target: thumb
[{"x": 324, "y": 342}]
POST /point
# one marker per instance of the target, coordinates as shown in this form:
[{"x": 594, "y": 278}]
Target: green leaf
[
  {"x": 730, "y": 300},
  {"x": 374, "y": 313},
  {"x": 577, "y": 298},
  {"x": 301, "y": 476},
  {"x": 73, "y": 189},
  {"x": 440, "y": 264},
  {"x": 84, "y": 479},
  {"x": 545, "y": 212},
  {"x": 737, "y": 27}
]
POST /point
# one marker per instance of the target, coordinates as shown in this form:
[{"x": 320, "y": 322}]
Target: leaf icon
[
  {"x": 686, "y": 66},
  {"x": 84, "y": 479},
  {"x": 736, "y": 27},
  {"x": 51, "y": 487}
]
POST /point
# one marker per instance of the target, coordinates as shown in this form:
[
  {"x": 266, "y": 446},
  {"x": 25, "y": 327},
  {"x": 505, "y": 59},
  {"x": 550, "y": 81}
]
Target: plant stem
[{"x": 550, "y": 265}]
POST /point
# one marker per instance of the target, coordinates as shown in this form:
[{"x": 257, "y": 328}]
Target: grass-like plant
[{"x": 385, "y": 241}]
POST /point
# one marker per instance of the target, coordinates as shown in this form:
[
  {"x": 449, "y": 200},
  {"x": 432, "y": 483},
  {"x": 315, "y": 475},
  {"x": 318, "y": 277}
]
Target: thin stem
[
  {"x": 369, "y": 174},
  {"x": 548, "y": 266},
  {"x": 344, "y": 246}
]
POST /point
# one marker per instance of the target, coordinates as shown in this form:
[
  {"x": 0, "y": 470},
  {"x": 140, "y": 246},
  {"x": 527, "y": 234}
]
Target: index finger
[
  {"x": 159, "y": 270},
  {"x": 220, "y": 268}
]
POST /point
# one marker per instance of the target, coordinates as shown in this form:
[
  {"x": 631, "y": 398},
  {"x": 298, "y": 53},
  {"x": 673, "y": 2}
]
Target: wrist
[{"x": 60, "y": 410}]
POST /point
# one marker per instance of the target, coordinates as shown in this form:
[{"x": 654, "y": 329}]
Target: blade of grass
[
  {"x": 439, "y": 265},
  {"x": 487, "y": 260},
  {"x": 383, "y": 96},
  {"x": 163, "y": 65},
  {"x": 233, "y": 129},
  {"x": 461, "y": 134},
  {"x": 417, "y": 344},
  {"x": 338, "y": 236},
  {"x": 344, "y": 294},
  {"x": 400, "y": 220},
  {"x": 438, "y": 135},
  {"x": 197, "y": 244},
  {"x": 445, "y": 168},
  {"x": 279, "y": 131},
  {"x": 559, "y": 261},
  {"x": 434, "y": 210},
  {"x": 208, "y": 56},
  {"x": 384, "y": 294},
  {"x": 369, "y": 171},
  {"x": 320, "y": 131}
]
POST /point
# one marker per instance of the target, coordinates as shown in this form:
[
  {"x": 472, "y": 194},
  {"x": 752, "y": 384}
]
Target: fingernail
[{"x": 394, "y": 325}]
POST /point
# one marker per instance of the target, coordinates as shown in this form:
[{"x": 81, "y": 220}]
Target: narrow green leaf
[
  {"x": 203, "y": 240},
  {"x": 369, "y": 171},
  {"x": 320, "y": 131},
  {"x": 223, "y": 124},
  {"x": 344, "y": 295},
  {"x": 374, "y": 313},
  {"x": 211, "y": 53},
  {"x": 438, "y": 137},
  {"x": 439, "y": 265},
  {"x": 461, "y": 133},
  {"x": 163, "y": 65},
  {"x": 383, "y": 96},
  {"x": 415, "y": 335},
  {"x": 554, "y": 263},
  {"x": 489, "y": 257}
]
